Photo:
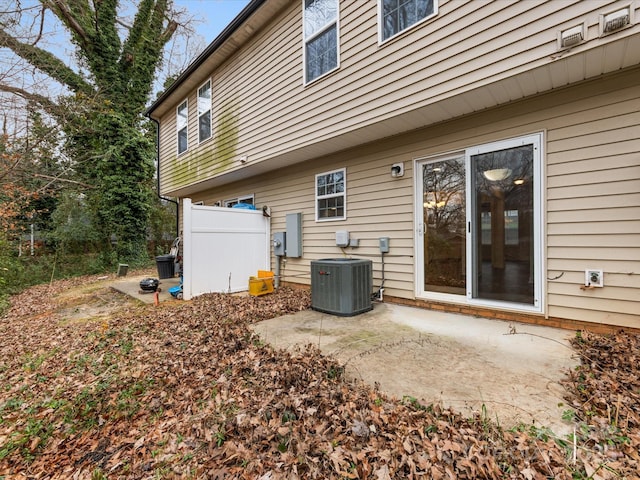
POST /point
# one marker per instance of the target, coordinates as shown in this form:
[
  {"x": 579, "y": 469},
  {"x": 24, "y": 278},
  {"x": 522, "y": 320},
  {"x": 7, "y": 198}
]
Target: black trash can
[{"x": 165, "y": 266}]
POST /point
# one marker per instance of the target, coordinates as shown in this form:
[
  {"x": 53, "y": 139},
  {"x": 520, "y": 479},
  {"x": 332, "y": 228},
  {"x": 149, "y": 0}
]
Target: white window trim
[
  {"x": 319, "y": 32},
  {"x": 382, "y": 41},
  {"x": 186, "y": 103},
  {"x": 200, "y": 140},
  {"x": 239, "y": 199},
  {"x": 334, "y": 195}
]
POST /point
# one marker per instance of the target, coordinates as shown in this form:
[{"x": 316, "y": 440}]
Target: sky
[{"x": 215, "y": 15}]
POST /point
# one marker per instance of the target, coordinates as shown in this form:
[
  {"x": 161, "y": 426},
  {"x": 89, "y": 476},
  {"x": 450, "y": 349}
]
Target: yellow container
[
  {"x": 260, "y": 286},
  {"x": 265, "y": 274}
]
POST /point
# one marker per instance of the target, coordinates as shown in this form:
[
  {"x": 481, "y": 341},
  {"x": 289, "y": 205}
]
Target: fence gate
[{"x": 222, "y": 248}]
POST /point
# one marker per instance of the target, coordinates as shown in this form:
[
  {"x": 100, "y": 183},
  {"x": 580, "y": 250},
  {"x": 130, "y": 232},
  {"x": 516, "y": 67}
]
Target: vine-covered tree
[{"x": 105, "y": 91}]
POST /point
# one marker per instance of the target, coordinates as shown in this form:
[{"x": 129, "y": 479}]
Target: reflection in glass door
[
  {"x": 444, "y": 232},
  {"x": 502, "y": 218},
  {"x": 479, "y": 218}
]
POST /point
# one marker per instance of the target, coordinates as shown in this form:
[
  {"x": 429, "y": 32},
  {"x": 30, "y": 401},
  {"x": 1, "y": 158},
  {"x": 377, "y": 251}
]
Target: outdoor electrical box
[
  {"x": 279, "y": 243},
  {"x": 384, "y": 244},
  {"x": 294, "y": 235},
  {"x": 342, "y": 238}
]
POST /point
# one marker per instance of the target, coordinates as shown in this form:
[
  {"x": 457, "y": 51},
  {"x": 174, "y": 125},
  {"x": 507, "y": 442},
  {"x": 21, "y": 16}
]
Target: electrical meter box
[{"x": 279, "y": 243}]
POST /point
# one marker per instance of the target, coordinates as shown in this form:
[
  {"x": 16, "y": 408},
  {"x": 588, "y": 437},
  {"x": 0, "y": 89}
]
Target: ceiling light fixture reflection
[
  {"x": 520, "y": 181},
  {"x": 497, "y": 174}
]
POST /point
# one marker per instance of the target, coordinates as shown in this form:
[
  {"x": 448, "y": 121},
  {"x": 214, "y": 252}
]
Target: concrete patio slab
[
  {"x": 512, "y": 370},
  {"x": 131, "y": 287}
]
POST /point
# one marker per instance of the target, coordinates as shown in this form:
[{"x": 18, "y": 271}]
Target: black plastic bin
[{"x": 165, "y": 266}]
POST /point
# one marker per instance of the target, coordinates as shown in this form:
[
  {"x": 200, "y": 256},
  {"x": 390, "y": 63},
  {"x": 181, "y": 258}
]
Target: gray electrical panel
[
  {"x": 294, "y": 235},
  {"x": 279, "y": 243},
  {"x": 341, "y": 286}
]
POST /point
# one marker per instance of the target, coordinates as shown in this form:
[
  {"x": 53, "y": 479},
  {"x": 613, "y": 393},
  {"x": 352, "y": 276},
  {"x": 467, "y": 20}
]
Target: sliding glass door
[{"x": 479, "y": 225}]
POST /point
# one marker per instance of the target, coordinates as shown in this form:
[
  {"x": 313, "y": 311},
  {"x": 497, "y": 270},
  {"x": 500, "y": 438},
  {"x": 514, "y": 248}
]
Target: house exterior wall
[
  {"x": 262, "y": 109},
  {"x": 591, "y": 196}
]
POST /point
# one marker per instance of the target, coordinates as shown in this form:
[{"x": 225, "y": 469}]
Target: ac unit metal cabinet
[{"x": 341, "y": 286}]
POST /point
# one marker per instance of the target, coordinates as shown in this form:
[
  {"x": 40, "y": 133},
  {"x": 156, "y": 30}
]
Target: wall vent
[
  {"x": 571, "y": 36},
  {"x": 610, "y": 22},
  {"x": 341, "y": 286}
]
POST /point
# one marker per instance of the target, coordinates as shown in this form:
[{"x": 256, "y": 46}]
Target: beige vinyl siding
[
  {"x": 467, "y": 45},
  {"x": 592, "y": 196}
]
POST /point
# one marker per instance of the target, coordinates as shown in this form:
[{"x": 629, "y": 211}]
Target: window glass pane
[
  {"x": 444, "y": 215},
  {"x": 331, "y": 207},
  {"x": 398, "y": 15},
  {"x": 318, "y": 14},
  {"x": 204, "y": 126},
  {"x": 322, "y": 53},
  {"x": 330, "y": 188},
  {"x": 182, "y": 140},
  {"x": 503, "y": 199},
  {"x": 204, "y": 98},
  {"x": 511, "y": 227},
  {"x": 182, "y": 116}
]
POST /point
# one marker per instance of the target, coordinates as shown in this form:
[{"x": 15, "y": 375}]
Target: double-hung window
[
  {"x": 331, "y": 195},
  {"x": 182, "y": 120},
  {"x": 399, "y": 15},
  {"x": 320, "y": 37},
  {"x": 204, "y": 111}
]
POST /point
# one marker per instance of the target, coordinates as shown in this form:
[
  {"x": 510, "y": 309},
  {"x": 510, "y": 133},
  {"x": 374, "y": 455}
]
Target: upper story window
[
  {"x": 399, "y": 15},
  {"x": 182, "y": 120},
  {"x": 331, "y": 195},
  {"x": 246, "y": 199},
  {"x": 320, "y": 37},
  {"x": 204, "y": 111}
]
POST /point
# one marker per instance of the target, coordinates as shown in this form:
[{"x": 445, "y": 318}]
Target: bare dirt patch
[{"x": 91, "y": 304}]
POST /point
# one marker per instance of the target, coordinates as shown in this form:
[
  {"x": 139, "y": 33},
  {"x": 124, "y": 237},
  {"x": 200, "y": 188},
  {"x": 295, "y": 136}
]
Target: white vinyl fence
[{"x": 222, "y": 248}]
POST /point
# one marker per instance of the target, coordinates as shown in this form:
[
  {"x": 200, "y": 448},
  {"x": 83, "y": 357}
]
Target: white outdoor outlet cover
[{"x": 593, "y": 278}]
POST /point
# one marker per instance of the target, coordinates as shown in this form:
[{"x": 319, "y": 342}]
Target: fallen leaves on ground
[
  {"x": 187, "y": 390},
  {"x": 605, "y": 394}
]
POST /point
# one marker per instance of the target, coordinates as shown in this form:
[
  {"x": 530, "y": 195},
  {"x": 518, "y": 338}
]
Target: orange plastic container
[
  {"x": 265, "y": 274},
  {"x": 260, "y": 286}
]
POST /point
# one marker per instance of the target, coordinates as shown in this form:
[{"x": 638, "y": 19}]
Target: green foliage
[
  {"x": 9, "y": 266},
  {"x": 72, "y": 231}
]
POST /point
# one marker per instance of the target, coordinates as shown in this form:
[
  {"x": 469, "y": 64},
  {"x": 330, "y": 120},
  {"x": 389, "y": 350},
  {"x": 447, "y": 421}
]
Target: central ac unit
[{"x": 341, "y": 286}]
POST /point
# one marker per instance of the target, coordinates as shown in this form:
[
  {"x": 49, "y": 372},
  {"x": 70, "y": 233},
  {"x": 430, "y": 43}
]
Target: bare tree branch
[
  {"x": 61, "y": 10},
  {"x": 45, "y": 62},
  {"x": 60, "y": 179},
  {"x": 41, "y": 29},
  {"x": 47, "y": 104}
]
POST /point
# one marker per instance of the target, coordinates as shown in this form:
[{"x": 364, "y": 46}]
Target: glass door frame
[
  {"x": 539, "y": 276},
  {"x": 421, "y": 229}
]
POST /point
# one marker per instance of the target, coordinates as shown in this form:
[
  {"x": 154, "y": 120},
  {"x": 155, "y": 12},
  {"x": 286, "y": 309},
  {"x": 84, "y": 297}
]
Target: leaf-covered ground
[{"x": 186, "y": 390}]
